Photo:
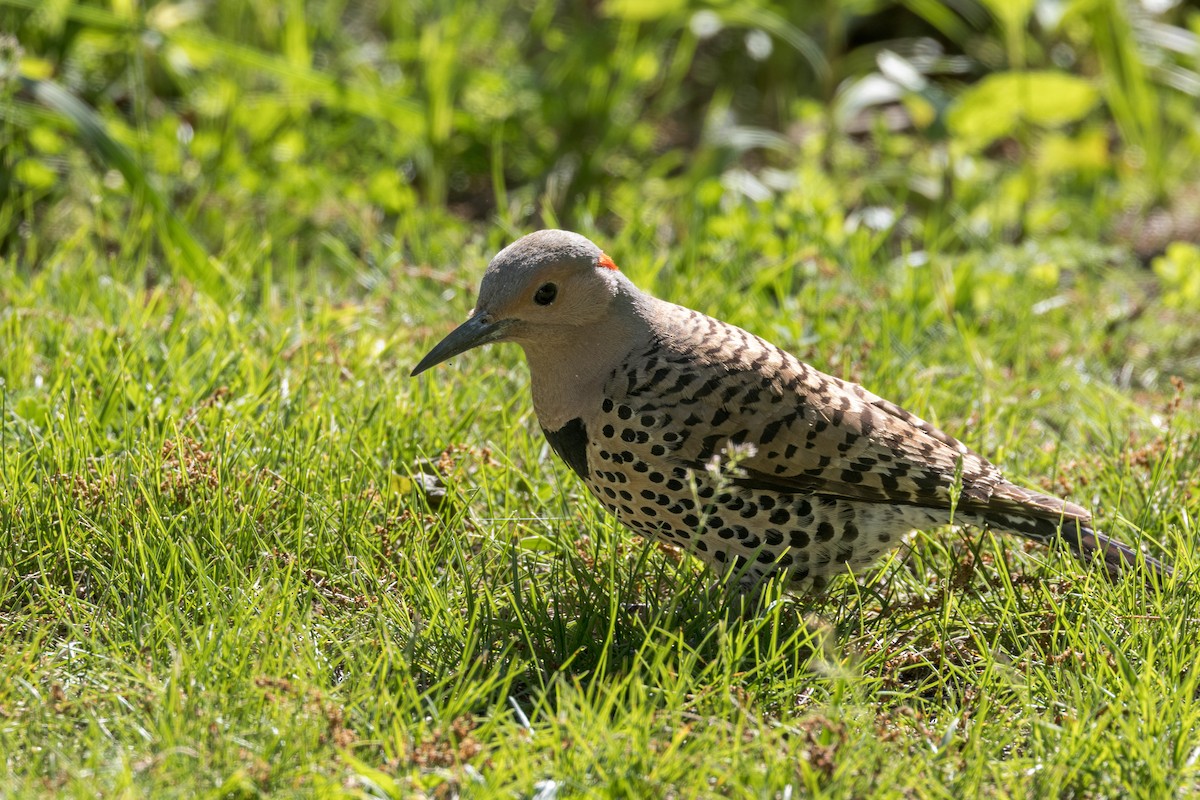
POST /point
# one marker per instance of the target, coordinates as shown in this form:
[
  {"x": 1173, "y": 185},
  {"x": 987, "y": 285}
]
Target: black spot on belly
[{"x": 570, "y": 442}]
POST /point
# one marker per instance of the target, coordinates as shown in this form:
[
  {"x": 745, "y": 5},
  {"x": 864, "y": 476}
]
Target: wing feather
[{"x": 812, "y": 432}]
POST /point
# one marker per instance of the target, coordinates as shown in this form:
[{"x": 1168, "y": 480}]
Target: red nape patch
[{"x": 606, "y": 261}]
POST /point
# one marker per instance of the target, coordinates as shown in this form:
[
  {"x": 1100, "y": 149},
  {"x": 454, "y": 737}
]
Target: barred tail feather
[{"x": 1088, "y": 544}]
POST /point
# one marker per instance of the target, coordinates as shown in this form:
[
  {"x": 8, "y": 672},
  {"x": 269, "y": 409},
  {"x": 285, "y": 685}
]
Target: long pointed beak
[{"x": 479, "y": 329}]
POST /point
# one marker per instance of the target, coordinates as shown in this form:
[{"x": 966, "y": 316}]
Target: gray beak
[{"x": 479, "y": 329}]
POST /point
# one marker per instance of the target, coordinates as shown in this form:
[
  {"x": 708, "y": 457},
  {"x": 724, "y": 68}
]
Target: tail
[{"x": 1088, "y": 544}]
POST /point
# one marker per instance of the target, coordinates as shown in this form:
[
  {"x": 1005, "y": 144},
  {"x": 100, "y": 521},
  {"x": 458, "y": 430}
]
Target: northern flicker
[{"x": 695, "y": 432}]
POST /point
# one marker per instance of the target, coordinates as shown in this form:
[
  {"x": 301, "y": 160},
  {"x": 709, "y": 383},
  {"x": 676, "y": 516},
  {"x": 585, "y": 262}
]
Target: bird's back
[{"x": 808, "y": 431}]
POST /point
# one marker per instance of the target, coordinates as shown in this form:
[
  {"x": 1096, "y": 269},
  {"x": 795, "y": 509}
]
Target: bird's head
[{"x": 545, "y": 285}]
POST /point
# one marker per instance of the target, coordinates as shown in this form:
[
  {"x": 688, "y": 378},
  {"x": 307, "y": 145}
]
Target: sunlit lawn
[{"x": 222, "y": 569}]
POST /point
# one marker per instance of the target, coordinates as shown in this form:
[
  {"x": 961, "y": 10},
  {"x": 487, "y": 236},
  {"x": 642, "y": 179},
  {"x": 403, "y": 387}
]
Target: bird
[{"x": 699, "y": 434}]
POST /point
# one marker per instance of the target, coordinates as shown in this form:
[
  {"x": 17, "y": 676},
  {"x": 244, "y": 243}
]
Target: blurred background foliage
[{"x": 346, "y": 133}]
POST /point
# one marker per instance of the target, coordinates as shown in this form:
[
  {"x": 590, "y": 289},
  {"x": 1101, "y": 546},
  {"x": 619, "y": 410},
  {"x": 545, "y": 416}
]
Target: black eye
[{"x": 546, "y": 294}]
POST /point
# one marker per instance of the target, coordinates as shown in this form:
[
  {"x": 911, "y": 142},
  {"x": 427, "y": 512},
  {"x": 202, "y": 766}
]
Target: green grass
[
  {"x": 219, "y": 575},
  {"x": 217, "y": 578}
]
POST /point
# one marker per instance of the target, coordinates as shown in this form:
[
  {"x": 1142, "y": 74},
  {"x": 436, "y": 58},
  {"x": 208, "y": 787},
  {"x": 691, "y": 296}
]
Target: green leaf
[
  {"x": 373, "y": 777},
  {"x": 35, "y": 174},
  {"x": 1012, "y": 14},
  {"x": 1179, "y": 271},
  {"x": 643, "y": 10},
  {"x": 999, "y": 104}
]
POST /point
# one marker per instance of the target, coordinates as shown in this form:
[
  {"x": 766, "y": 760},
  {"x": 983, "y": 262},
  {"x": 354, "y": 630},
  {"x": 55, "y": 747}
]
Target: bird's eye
[{"x": 545, "y": 295}]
